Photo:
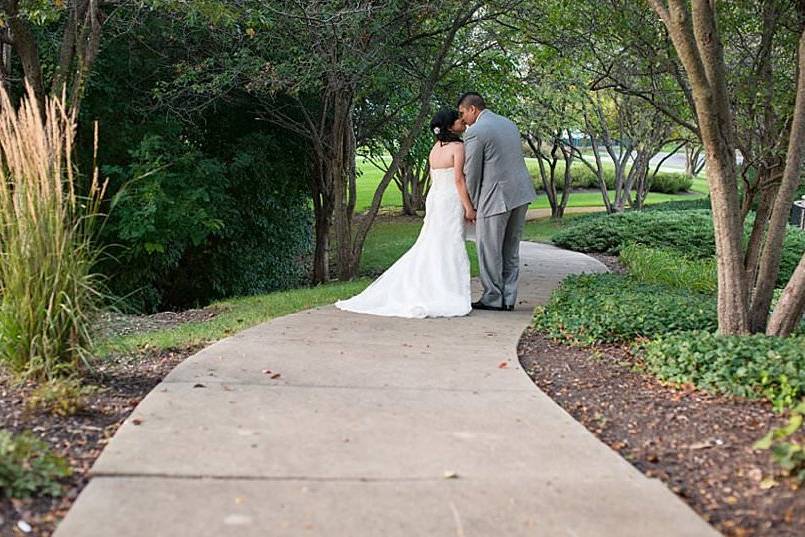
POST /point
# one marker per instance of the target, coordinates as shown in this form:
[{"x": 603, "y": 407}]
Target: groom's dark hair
[{"x": 472, "y": 99}]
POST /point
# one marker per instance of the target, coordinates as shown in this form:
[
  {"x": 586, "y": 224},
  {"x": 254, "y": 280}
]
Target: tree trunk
[
  {"x": 772, "y": 249},
  {"x": 567, "y": 186},
  {"x": 407, "y": 185},
  {"x": 693, "y": 160},
  {"x": 546, "y": 177},
  {"x": 27, "y": 50},
  {"x": 755, "y": 244},
  {"x": 342, "y": 177},
  {"x": 79, "y": 48},
  {"x": 699, "y": 48},
  {"x": 322, "y": 211},
  {"x": 788, "y": 313}
]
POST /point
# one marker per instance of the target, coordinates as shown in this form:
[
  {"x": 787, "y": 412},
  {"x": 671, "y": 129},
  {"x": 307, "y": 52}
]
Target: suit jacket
[{"x": 497, "y": 178}]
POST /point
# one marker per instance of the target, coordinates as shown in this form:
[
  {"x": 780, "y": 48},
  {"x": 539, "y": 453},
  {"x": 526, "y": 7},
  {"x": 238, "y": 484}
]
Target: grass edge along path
[{"x": 235, "y": 315}]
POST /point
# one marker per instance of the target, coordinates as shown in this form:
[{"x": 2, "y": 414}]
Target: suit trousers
[{"x": 498, "y": 243}]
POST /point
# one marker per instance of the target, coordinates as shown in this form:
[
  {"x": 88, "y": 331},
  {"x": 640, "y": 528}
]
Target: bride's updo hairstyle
[{"x": 441, "y": 124}]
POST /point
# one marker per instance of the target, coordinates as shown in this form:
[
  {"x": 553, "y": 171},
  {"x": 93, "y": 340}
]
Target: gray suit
[{"x": 501, "y": 190}]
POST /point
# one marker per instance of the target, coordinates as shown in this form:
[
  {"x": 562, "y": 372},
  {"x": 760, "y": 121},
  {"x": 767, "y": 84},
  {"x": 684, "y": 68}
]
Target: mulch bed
[
  {"x": 119, "y": 324},
  {"x": 699, "y": 445},
  {"x": 612, "y": 262},
  {"x": 122, "y": 382}
]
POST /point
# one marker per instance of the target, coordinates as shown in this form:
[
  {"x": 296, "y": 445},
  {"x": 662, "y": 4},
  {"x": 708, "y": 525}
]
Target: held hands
[{"x": 470, "y": 214}]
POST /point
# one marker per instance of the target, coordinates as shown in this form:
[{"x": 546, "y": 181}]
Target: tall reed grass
[{"x": 49, "y": 294}]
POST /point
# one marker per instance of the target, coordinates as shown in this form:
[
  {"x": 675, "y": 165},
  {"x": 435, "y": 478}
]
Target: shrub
[
  {"x": 688, "y": 232},
  {"x": 670, "y": 183},
  {"x": 267, "y": 236},
  {"x": 28, "y": 467},
  {"x": 62, "y": 397},
  {"x": 583, "y": 177},
  {"x": 667, "y": 267},
  {"x": 606, "y": 308},
  {"x": 169, "y": 201},
  {"x": 681, "y": 205},
  {"x": 196, "y": 227},
  {"x": 755, "y": 366},
  {"x": 49, "y": 292}
]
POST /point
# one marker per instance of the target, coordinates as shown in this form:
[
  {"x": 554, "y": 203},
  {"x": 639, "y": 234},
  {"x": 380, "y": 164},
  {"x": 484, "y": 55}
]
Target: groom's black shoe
[{"x": 481, "y": 306}]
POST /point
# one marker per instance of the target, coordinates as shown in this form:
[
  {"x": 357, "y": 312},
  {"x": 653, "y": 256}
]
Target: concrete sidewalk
[{"x": 375, "y": 427}]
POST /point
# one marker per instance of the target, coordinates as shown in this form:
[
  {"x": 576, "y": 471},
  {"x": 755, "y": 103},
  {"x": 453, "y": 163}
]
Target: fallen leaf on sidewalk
[
  {"x": 502, "y": 365},
  {"x": 137, "y": 421},
  {"x": 450, "y": 474},
  {"x": 275, "y": 376}
]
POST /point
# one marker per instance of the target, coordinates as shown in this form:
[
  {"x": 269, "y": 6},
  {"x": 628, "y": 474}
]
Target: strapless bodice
[{"x": 441, "y": 172}]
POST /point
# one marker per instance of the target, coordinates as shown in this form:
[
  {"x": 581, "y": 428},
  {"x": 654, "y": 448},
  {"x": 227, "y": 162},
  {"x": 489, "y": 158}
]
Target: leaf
[
  {"x": 765, "y": 442},
  {"x": 768, "y": 483}
]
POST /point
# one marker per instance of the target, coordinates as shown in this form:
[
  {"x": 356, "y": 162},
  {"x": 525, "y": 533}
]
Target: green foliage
[
  {"x": 267, "y": 234},
  {"x": 669, "y": 268},
  {"x": 670, "y": 183},
  {"x": 754, "y": 366},
  {"x": 194, "y": 227},
  {"x": 608, "y": 308},
  {"x": 28, "y": 467},
  {"x": 62, "y": 397},
  {"x": 681, "y": 205},
  {"x": 209, "y": 201},
  {"x": 168, "y": 203},
  {"x": 688, "y": 232},
  {"x": 787, "y": 452},
  {"x": 793, "y": 249}
]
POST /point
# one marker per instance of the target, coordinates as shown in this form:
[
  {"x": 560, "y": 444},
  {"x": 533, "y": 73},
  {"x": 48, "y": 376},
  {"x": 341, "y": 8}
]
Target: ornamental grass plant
[{"x": 49, "y": 292}]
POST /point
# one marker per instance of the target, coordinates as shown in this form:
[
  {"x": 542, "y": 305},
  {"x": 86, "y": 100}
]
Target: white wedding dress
[{"x": 432, "y": 279}]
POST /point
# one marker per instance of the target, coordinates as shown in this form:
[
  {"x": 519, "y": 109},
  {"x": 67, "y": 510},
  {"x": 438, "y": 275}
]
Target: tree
[
  {"x": 746, "y": 279},
  {"x": 28, "y": 29},
  {"x": 311, "y": 65}
]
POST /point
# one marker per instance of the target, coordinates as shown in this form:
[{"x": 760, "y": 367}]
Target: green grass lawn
[
  {"x": 370, "y": 177},
  {"x": 543, "y": 229}
]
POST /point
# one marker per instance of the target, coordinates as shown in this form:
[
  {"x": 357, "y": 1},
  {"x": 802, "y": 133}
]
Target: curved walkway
[{"x": 375, "y": 427}]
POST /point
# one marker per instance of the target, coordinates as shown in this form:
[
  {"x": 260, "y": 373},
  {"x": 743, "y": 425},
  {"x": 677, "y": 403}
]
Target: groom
[{"x": 501, "y": 190}]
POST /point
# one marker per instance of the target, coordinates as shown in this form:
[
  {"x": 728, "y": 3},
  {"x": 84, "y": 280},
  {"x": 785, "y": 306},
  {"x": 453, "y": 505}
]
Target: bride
[{"x": 432, "y": 279}]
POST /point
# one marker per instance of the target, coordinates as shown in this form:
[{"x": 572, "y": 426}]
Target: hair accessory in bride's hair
[{"x": 436, "y": 130}]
